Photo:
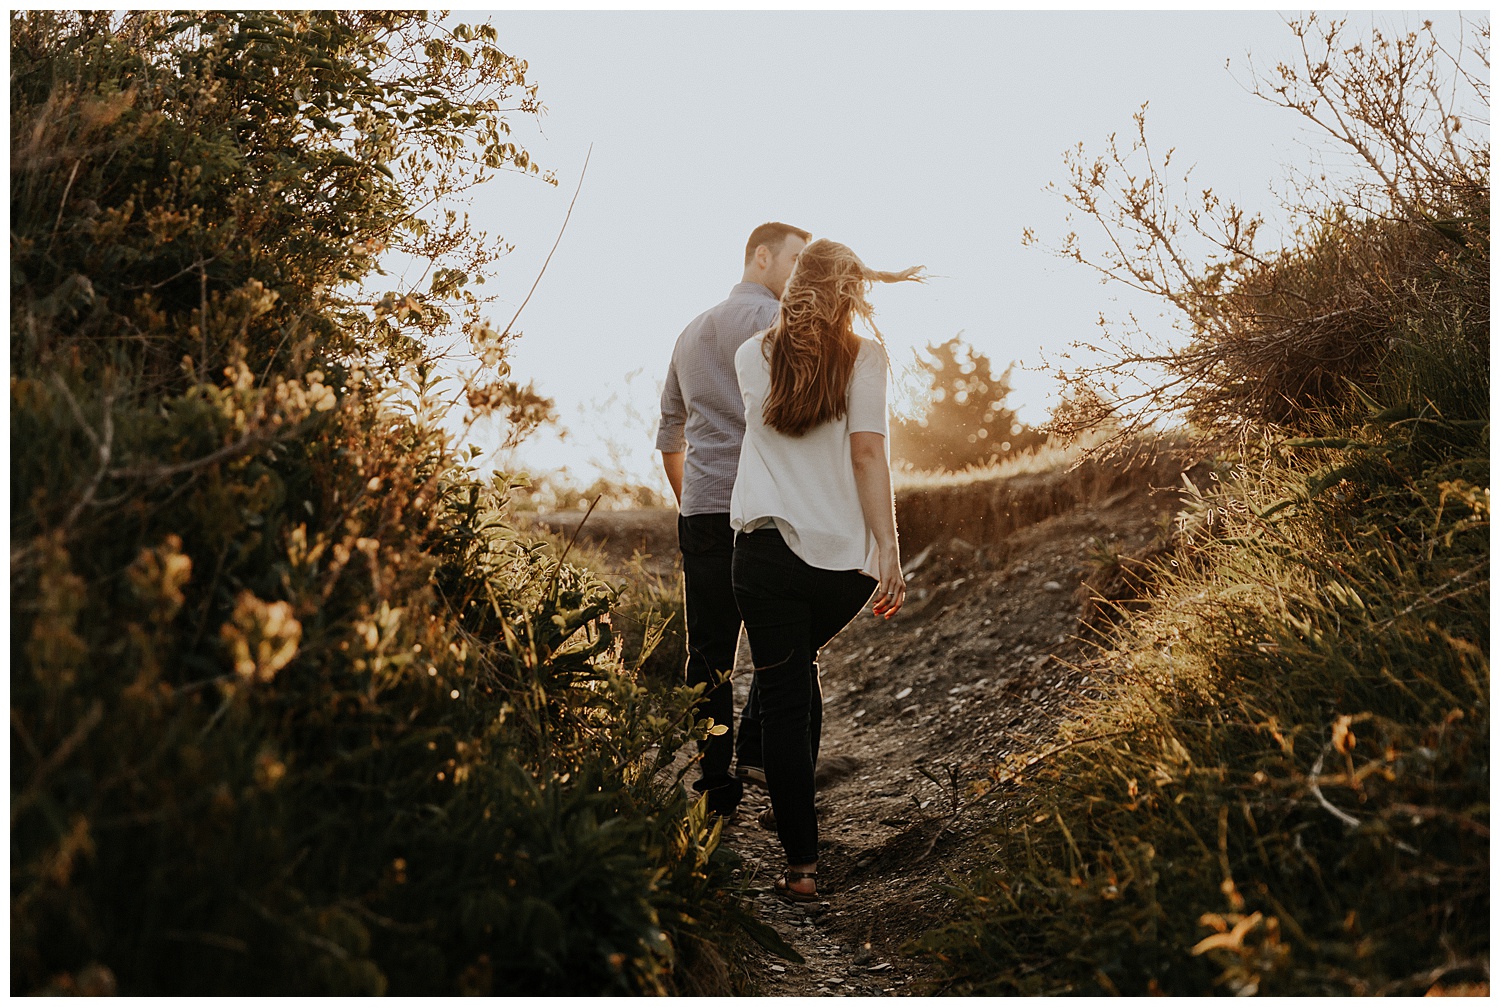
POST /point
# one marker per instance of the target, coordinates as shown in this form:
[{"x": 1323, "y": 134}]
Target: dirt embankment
[{"x": 981, "y": 664}]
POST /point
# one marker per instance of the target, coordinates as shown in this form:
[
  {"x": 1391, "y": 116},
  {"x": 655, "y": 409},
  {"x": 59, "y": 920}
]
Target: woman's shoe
[
  {"x": 783, "y": 886},
  {"x": 767, "y": 820}
]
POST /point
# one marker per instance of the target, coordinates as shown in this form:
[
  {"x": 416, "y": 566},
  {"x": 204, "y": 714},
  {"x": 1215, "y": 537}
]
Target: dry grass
[
  {"x": 1287, "y": 788},
  {"x": 1282, "y": 785},
  {"x": 983, "y": 505},
  {"x": 1055, "y": 454}
]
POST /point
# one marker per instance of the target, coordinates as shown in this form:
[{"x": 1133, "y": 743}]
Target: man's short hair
[{"x": 773, "y": 236}]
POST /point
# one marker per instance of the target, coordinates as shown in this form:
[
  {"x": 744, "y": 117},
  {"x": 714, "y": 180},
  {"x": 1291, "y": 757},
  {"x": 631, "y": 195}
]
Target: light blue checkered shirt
[{"x": 701, "y": 406}]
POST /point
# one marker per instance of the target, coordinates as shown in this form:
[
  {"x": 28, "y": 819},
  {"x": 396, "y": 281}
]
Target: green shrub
[
  {"x": 294, "y": 708},
  {"x": 646, "y": 614}
]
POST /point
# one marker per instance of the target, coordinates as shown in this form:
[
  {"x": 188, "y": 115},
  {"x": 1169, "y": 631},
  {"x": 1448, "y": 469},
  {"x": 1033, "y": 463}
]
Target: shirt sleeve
[
  {"x": 669, "y": 436},
  {"x": 867, "y": 412}
]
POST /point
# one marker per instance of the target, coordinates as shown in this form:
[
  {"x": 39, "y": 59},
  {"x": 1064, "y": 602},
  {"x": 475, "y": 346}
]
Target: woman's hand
[{"x": 891, "y": 593}]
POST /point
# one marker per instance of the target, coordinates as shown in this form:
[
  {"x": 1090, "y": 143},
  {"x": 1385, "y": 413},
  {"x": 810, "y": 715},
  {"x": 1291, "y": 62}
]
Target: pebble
[
  {"x": 904, "y": 693},
  {"x": 1052, "y": 585}
]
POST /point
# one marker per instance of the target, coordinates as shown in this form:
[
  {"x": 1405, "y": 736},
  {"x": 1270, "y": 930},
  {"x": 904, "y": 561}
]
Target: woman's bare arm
[{"x": 872, "y": 478}]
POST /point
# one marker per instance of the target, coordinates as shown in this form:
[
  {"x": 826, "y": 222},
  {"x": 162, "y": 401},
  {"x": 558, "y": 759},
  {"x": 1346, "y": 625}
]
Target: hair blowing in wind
[{"x": 812, "y": 346}]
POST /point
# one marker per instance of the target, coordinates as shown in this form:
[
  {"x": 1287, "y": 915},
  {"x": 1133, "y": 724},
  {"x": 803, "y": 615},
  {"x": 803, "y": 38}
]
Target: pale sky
[{"x": 913, "y": 138}]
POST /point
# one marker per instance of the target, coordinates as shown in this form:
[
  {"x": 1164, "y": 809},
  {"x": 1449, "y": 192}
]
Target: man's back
[{"x": 701, "y": 407}]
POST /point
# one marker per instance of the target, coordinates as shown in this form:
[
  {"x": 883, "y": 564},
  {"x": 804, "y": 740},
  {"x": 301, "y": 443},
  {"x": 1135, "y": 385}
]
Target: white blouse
[{"x": 806, "y": 484}]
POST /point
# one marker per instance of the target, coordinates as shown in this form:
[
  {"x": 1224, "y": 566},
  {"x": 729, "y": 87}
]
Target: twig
[
  {"x": 191, "y": 267},
  {"x": 322, "y": 943},
  {"x": 551, "y": 586},
  {"x": 204, "y": 683},
  {"x": 202, "y": 316},
  {"x": 212, "y": 940},
  {"x": 384, "y": 921},
  {"x": 72, "y": 175},
  {"x": 24, "y": 735},
  {"x": 228, "y": 451},
  {"x": 58, "y": 757},
  {"x": 223, "y": 709},
  {"x": 102, "y": 441},
  {"x": 1343, "y": 816},
  {"x": 1034, "y": 760},
  {"x": 1432, "y": 597},
  {"x": 1426, "y": 811},
  {"x": 564, "y": 227}
]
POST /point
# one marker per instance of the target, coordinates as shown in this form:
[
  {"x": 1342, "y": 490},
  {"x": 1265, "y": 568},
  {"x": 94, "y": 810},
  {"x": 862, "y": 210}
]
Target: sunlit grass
[{"x": 1051, "y": 456}]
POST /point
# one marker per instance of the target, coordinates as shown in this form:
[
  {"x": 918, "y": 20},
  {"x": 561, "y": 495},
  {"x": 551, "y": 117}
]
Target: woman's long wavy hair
[{"x": 812, "y": 346}]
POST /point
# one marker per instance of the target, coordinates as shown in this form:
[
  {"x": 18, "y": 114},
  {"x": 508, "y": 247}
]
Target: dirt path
[{"x": 980, "y": 664}]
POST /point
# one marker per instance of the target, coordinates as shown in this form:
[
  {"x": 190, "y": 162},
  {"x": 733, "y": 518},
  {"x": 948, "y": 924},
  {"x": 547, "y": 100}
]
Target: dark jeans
[
  {"x": 791, "y": 610},
  {"x": 713, "y": 631}
]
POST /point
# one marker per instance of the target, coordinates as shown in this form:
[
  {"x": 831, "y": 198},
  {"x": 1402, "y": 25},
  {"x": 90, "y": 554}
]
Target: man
[{"x": 702, "y": 424}]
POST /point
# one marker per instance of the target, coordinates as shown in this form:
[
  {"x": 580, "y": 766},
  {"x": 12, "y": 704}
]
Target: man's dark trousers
[{"x": 713, "y": 632}]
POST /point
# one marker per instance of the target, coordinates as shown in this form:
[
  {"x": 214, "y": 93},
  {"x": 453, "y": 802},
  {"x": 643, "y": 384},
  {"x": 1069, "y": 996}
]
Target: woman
[{"x": 815, "y": 518}]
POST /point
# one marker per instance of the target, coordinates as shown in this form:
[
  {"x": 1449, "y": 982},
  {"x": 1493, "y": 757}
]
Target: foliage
[
  {"x": 965, "y": 421},
  {"x": 295, "y": 709},
  {"x": 1274, "y": 337},
  {"x": 646, "y": 611},
  {"x": 1285, "y": 791}
]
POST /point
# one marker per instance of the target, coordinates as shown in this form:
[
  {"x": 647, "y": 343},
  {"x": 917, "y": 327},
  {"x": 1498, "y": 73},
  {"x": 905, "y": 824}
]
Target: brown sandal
[{"x": 783, "y": 886}]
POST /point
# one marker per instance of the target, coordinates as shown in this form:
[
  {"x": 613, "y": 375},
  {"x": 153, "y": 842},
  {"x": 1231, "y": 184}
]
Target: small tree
[{"x": 965, "y": 420}]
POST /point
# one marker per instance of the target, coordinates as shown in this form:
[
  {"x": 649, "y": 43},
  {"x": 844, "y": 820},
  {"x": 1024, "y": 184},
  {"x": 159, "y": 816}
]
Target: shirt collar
[{"x": 753, "y": 290}]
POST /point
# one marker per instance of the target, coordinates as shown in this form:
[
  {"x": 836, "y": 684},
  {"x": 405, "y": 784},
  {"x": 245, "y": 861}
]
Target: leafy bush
[
  {"x": 1285, "y": 790},
  {"x": 646, "y": 612},
  {"x": 294, "y": 709}
]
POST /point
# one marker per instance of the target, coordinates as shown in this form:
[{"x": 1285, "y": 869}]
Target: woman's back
[{"x": 806, "y": 484}]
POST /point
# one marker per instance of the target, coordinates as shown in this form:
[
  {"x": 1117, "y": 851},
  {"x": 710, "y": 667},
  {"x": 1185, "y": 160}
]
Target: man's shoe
[
  {"x": 723, "y": 800},
  {"x": 728, "y": 817},
  {"x": 752, "y": 774}
]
